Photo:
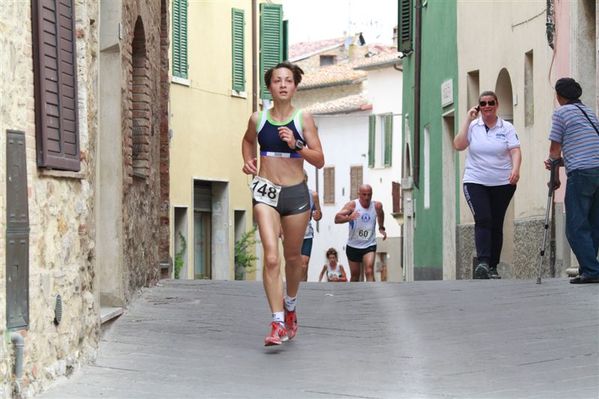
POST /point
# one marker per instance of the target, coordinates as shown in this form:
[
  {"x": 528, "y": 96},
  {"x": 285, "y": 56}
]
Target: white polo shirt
[{"x": 489, "y": 161}]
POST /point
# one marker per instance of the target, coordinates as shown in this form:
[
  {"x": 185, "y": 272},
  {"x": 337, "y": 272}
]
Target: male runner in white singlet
[{"x": 362, "y": 215}]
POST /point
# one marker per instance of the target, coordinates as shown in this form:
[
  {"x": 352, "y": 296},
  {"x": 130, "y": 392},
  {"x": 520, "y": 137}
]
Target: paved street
[{"x": 441, "y": 339}]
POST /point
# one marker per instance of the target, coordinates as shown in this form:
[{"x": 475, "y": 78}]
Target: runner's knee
[{"x": 271, "y": 262}]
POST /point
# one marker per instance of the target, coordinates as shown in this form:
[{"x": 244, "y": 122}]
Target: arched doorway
[{"x": 503, "y": 89}]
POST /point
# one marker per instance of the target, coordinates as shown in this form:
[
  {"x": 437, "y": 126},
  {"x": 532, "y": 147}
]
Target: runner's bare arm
[
  {"x": 324, "y": 269},
  {"x": 347, "y": 213},
  {"x": 317, "y": 213},
  {"x": 249, "y": 147},
  {"x": 380, "y": 216}
]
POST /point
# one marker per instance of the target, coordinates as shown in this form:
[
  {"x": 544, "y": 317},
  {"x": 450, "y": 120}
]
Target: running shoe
[
  {"x": 493, "y": 275},
  {"x": 291, "y": 323},
  {"x": 277, "y": 336},
  {"x": 482, "y": 271}
]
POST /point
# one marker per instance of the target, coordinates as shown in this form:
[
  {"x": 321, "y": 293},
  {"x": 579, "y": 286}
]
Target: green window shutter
[
  {"x": 180, "y": 38},
  {"x": 371, "y": 139},
  {"x": 271, "y": 41},
  {"x": 404, "y": 26},
  {"x": 388, "y": 139},
  {"x": 238, "y": 54}
]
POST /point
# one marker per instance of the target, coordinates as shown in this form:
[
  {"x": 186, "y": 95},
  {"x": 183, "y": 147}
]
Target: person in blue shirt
[{"x": 575, "y": 135}]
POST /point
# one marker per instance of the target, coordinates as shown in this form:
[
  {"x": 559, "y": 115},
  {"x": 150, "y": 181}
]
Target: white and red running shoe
[
  {"x": 291, "y": 323},
  {"x": 277, "y": 336}
]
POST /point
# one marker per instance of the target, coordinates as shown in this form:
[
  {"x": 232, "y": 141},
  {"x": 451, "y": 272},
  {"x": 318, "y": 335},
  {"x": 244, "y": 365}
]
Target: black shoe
[
  {"x": 584, "y": 280},
  {"x": 493, "y": 274},
  {"x": 482, "y": 271}
]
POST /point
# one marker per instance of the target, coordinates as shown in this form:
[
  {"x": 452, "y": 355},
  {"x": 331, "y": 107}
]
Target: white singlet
[
  {"x": 336, "y": 272},
  {"x": 362, "y": 230}
]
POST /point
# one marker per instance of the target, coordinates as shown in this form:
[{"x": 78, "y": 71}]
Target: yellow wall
[{"x": 208, "y": 122}]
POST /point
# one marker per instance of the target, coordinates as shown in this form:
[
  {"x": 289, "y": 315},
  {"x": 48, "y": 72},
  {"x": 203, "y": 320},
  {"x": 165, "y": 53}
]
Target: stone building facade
[{"x": 91, "y": 235}]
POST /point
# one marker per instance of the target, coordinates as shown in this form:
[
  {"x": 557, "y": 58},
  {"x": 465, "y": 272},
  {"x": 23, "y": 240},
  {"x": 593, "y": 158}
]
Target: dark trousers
[
  {"x": 488, "y": 205},
  {"x": 582, "y": 218}
]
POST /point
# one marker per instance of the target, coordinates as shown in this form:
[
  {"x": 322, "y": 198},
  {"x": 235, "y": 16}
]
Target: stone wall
[
  {"x": 62, "y": 257},
  {"x": 528, "y": 238},
  {"x": 61, "y": 252},
  {"x": 142, "y": 195}
]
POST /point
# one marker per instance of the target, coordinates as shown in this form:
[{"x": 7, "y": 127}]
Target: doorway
[
  {"x": 202, "y": 222},
  {"x": 180, "y": 241},
  {"x": 449, "y": 198}
]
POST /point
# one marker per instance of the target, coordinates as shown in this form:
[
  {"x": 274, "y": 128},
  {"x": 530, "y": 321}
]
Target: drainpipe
[
  {"x": 550, "y": 24},
  {"x": 417, "y": 67},
  {"x": 19, "y": 343},
  {"x": 254, "y": 57}
]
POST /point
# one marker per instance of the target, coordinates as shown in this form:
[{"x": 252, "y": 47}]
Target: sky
[{"x": 311, "y": 20}]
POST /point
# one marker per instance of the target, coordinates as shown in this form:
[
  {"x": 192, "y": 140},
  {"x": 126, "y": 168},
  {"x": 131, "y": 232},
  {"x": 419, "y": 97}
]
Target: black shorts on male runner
[
  {"x": 292, "y": 200},
  {"x": 356, "y": 254},
  {"x": 307, "y": 247}
]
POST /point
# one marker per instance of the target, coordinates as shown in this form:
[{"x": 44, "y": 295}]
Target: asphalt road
[{"x": 438, "y": 339}]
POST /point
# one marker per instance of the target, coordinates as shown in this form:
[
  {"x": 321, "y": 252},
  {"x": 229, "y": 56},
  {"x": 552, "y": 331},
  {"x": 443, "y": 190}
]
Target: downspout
[
  {"x": 254, "y": 57},
  {"x": 550, "y": 24},
  {"x": 417, "y": 67},
  {"x": 19, "y": 343}
]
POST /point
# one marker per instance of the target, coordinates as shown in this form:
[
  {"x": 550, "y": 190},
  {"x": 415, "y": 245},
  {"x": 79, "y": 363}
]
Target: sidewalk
[{"x": 439, "y": 339}]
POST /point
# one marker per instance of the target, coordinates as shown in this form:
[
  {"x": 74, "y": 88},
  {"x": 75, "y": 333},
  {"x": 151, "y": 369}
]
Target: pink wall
[{"x": 561, "y": 64}]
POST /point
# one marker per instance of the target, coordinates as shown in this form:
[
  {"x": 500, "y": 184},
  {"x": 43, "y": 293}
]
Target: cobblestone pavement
[{"x": 437, "y": 339}]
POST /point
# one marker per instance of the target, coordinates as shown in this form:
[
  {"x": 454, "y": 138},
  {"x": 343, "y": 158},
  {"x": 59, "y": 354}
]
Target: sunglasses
[{"x": 485, "y": 103}]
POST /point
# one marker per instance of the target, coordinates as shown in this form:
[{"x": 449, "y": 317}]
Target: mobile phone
[{"x": 477, "y": 108}]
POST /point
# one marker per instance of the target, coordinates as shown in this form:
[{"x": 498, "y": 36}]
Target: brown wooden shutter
[
  {"x": 396, "y": 195},
  {"x": 55, "y": 70},
  {"x": 355, "y": 178},
  {"x": 329, "y": 185}
]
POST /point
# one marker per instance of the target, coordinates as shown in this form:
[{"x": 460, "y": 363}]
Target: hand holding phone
[{"x": 473, "y": 112}]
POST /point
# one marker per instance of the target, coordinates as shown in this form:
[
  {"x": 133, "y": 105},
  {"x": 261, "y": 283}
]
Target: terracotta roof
[
  {"x": 331, "y": 75},
  {"x": 379, "y": 60},
  {"x": 301, "y": 50},
  {"x": 343, "y": 105}
]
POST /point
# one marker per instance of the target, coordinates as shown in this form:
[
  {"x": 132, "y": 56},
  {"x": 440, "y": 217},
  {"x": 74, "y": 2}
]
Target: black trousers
[{"x": 488, "y": 205}]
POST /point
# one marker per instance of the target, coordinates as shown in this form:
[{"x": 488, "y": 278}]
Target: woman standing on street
[
  {"x": 490, "y": 176},
  {"x": 287, "y": 136}
]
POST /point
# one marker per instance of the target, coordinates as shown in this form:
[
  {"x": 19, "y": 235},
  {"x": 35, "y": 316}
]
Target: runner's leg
[
  {"x": 368, "y": 262},
  {"x": 268, "y": 225},
  {"x": 294, "y": 227}
]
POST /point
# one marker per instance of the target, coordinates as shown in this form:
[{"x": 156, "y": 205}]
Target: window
[
  {"x": 380, "y": 140},
  {"x": 141, "y": 110},
  {"x": 55, "y": 74},
  {"x": 180, "y": 39},
  {"x": 529, "y": 104},
  {"x": 404, "y": 24},
  {"x": 371, "y": 139},
  {"x": 328, "y": 60},
  {"x": 387, "y": 139},
  {"x": 329, "y": 185},
  {"x": 396, "y": 196},
  {"x": 356, "y": 180},
  {"x": 472, "y": 88},
  {"x": 271, "y": 41},
  {"x": 285, "y": 40},
  {"x": 238, "y": 56}
]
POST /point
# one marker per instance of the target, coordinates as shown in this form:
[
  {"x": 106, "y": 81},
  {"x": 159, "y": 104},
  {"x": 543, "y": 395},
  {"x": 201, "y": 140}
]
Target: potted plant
[{"x": 245, "y": 254}]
